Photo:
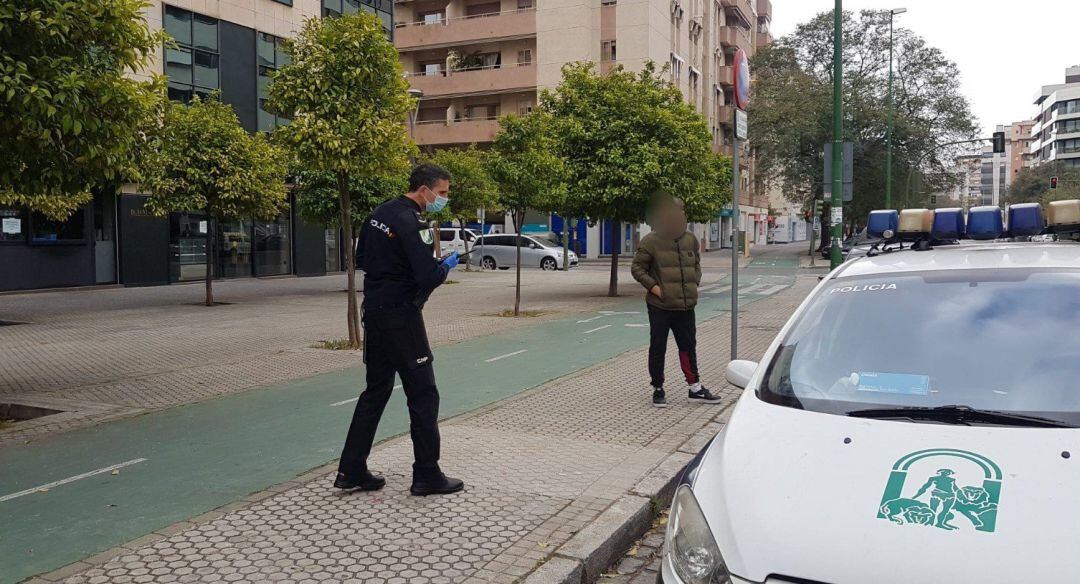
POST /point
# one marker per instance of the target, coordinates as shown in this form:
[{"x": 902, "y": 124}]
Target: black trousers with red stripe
[{"x": 682, "y": 324}]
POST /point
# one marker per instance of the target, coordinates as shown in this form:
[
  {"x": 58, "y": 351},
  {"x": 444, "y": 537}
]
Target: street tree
[
  {"x": 202, "y": 159},
  {"x": 790, "y": 115},
  {"x": 529, "y": 173},
  {"x": 346, "y": 96},
  {"x": 471, "y": 186},
  {"x": 70, "y": 114},
  {"x": 1032, "y": 185},
  {"x": 626, "y": 135},
  {"x": 318, "y": 198}
]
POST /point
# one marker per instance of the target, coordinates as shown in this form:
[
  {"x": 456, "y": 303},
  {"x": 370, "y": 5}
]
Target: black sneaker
[
  {"x": 703, "y": 396},
  {"x": 659, "y": 400},
  {"x": 438, "y": 485},
  {"x": 364, "y": 482}
]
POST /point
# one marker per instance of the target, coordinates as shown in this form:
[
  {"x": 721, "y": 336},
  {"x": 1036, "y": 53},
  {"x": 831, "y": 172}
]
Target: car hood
[{"x": 832, "y": 499}]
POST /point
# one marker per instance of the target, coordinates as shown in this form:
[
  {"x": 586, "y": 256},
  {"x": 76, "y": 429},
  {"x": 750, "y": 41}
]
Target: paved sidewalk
[{"x": 546, "y": 471}]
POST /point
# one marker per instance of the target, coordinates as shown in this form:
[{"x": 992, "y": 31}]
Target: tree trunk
[
  {"x": 437, "y": 236},
  {"x": 565, "y": 245},
  {"x": 468, "y": 266},
  {"x": 352, "y": 314},
  {"x": 209, "y": 260},
  {"x": 613, "y": 284},
  {"x": 519, "y": 218}
]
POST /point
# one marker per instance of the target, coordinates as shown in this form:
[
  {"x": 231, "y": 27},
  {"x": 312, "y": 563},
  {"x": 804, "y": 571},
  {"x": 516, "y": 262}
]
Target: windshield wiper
[{"x": 959, "y": 415}]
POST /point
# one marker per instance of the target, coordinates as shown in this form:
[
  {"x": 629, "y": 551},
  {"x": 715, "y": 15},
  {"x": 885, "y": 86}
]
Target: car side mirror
[
  {"x": 532, "y": 246},
  {"x": 739, "y": 372}
]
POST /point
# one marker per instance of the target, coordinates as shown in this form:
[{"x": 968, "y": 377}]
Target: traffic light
[
  {"x": 933, "y": 200},
  {"x": 999, "y": 142},
  {"x": 1053, "y": 182}
]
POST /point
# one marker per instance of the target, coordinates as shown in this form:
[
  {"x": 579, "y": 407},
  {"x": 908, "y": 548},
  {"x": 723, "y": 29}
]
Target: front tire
[
  {"x": 489, "y": 263},
  {"x": 549, "y": 264}
]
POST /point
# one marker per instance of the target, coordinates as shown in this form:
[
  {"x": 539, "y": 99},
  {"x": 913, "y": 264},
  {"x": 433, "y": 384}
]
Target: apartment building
[
  {"x": 994, "y": 174},
  {"x": 231, "y": 46},
  {"x": 476, "y": 60},
  {"x": 968, "y": 190},
  {"x": 1055, "y": 134},
  {"x": 1018, "y": 146}
]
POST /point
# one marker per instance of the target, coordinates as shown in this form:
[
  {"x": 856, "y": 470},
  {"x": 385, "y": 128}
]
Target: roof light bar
[
  {"x": 882, "y": 224},
  {"x": 1025, "y": 219},
  {"x": 915, "y": 224},
  {"x": 985, "y": 223},
  {"x": 948, "y": 224},
  {"x": 1062, "y": 216}
]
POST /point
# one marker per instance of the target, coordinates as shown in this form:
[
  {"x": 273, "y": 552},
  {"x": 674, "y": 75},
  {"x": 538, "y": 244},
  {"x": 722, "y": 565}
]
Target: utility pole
[
  {"x": 835, "y": 255},
  {"x": 888, "y": 134}
]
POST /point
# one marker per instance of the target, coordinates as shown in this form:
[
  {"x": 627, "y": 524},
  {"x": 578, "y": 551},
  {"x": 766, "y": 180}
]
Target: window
[
  {"x": 525, "y": 107},
  {"x": 694, "y": 80},
  {"x": 269, "y": 57},
  {"x": 446, "y": 235},
  {"x": 525, "y": 4},
  {"x": 607, "y": 51},
  {"x": 676, "y": 68},
  {"x": 1068, "y": 126},
  {"x": 487, "y": 111},
  {"x": 380, "y": 8},
  {"x": 436, "y": 17},
  {"x": 485, "y": 9},
  {"x": 431, "y": 114},
  {"x": 285, "y": 2},
  {"x": 1068, "y": 107},
  {"x": 432, "y": 68},
  {"x": 12, "y": 226},
  {"x": 525, "y": 57},
  {"x": 1069, "y": 146},
  {"x": 608, "y": 2},
  {"x": 46, "y": 230},
  {"x": 192, "y": 65}
]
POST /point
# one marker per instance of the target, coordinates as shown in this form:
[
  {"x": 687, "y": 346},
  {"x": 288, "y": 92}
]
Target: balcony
[
  {"x": 727, "y": 115},
  {"x": 499, "y": 26},
  {"x": 734, "y": 36},
  {"x": 475, "y": 81},
  {"x": 725, "y": 76},
  {"x": 764, "y": 39},
  {"x": 764, "y": 8},
  {"x": 743, "y": 7},
  {"x": 460, "y": 132}
]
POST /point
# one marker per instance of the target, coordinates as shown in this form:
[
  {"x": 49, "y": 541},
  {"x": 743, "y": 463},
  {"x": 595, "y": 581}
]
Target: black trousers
[
  {"x": 395, "y": 342},
  {"x": 683, "y": 325}
]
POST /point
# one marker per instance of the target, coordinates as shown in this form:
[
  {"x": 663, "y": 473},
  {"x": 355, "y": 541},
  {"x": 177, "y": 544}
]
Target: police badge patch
[{"x": 427, "y": 236}]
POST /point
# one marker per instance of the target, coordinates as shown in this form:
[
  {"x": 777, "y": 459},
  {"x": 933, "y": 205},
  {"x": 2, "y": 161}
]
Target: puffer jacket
[{"x": 674, "y": 265}]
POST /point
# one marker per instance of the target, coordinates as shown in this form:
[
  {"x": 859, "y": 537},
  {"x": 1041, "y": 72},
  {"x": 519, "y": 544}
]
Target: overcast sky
[{"x": 1005, "y": 50}]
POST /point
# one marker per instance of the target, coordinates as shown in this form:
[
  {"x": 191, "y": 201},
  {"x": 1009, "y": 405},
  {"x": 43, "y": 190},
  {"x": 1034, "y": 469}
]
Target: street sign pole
[
  {"x": 837, "y": 213},
  {"x": 741, "y": 81}
]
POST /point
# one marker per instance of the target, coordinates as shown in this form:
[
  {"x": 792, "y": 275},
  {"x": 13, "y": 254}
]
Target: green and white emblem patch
[
  {"x": 940, "y": 498},
  {"x": 427, "y": 236}
]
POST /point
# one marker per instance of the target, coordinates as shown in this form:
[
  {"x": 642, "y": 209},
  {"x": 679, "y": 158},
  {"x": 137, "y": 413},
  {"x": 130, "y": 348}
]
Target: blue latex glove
[{"x": 451, "y": 262}]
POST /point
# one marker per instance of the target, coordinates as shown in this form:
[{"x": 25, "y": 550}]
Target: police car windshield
[{"x": 1002, "y": 340}]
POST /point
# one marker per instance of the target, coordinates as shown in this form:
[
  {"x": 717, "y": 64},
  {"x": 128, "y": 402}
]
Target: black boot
[
  {"x": 435, "y": 484},
  {"x": 363, "y": 482}
]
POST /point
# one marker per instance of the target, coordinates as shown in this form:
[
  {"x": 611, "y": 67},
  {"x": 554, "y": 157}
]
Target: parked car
[
  {"x": 498, "y": 251},
  {"x": 454, "y": 239}
]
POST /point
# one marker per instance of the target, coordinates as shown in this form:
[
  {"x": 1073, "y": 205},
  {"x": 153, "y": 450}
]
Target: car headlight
[{"x": 690, "y": 544}]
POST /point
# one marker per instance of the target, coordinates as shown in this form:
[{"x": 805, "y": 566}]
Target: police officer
[{"x": 395, "y": 252}]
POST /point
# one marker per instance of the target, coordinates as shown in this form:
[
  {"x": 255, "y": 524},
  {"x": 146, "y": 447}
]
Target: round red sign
[{"x": 741, "y": 79}]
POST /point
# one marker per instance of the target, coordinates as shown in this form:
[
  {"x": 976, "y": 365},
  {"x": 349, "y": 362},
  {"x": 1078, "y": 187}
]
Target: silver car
[{"x": 499, "y": 251}]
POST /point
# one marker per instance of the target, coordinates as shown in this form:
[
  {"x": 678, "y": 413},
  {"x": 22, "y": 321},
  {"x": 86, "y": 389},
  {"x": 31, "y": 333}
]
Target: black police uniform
[{"x": 395, "y": 252}]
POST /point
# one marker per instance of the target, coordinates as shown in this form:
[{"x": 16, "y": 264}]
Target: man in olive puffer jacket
[{"x": 668, "y": 265}]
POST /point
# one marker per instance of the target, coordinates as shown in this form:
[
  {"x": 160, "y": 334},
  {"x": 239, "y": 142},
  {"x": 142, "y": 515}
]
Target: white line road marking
[
  {"x": 351, "y": 400},
  {"x": 636, "y": 325},
  {"x": 591, "y": 319},
  {"x": 494, "y": 359},
  {"x": 599, "y": 328},
  {"x": 84, "y": 475},
  {"x": 773, "y": 290},
  {"x": 611, "y": 312}
]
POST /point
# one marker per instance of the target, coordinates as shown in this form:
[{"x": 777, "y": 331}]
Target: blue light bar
[
  {"x": 881, "y": 221},
  {"x": 948, "y": 224},
  {"x": 1025, "y": 219},
  {"x": 985, "y": 223}
]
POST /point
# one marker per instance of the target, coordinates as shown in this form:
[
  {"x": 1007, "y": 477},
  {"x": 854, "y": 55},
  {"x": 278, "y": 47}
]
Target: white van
[{"x": 454, "y": 238}]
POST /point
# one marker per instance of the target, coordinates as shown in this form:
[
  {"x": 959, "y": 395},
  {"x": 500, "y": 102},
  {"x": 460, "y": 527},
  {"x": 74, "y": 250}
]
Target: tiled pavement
[{"x": 539, "y": 467}]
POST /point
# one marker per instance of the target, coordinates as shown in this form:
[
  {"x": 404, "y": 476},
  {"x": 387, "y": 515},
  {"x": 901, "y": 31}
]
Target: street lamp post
[
  {"x": 835, "y": 255},
  {"x": 417, "y": 94},
  {"x": 888, "y": 134}
]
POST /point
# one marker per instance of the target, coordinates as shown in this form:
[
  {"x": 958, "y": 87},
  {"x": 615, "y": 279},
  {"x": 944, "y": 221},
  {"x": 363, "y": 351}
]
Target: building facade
[
  {"x": 1019, "y": 147},
  {"x": 476, "y": 60},
  {"x": 994, "y": 174},
  {"x": 1055, "y": 134},
  {"x": 230, "y": 46}
]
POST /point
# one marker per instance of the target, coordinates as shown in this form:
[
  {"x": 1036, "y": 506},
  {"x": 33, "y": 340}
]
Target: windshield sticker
[
  {"x": 899, "y": 383},
  {"x": 935, "y": 497},
  {"x": 863, "y": 288}
]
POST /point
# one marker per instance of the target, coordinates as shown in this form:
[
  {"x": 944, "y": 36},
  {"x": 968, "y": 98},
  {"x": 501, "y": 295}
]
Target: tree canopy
[
  {"x": 471, "y": 185},
  {"x": 318, "y": 201},
  {"x": 70, "y": 114},
  {"x": 790, "y": 115},
  {"x": 1032, "y": 185},
  {"x": 202, "y": 159}
]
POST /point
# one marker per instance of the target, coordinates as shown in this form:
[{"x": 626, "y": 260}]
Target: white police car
[{"x": 917, "y": 420}]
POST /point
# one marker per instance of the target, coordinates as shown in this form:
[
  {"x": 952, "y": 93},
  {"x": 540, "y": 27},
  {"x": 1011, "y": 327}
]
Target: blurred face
[{"x": 669, "y": 218}]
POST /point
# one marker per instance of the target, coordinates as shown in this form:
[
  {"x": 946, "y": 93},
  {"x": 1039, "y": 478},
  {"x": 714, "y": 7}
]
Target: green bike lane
[{"x": 70, "y": 496}]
